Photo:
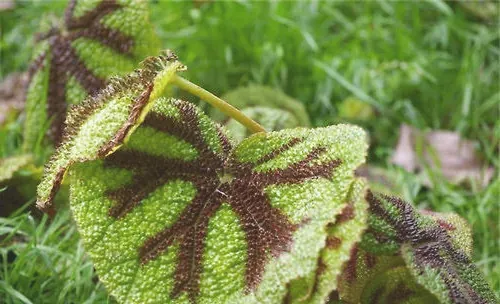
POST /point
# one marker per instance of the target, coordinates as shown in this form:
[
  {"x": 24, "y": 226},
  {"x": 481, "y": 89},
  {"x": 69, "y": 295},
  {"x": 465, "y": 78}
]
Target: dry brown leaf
[
  {"x": 405, "y": 155},
  {"x": 443, "y": 151}
]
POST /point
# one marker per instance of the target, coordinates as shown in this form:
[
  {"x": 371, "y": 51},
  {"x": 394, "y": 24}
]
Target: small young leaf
[
  {"x": 435, "y": 249},
  {"x": 269, "y": 107},
  {"x": 269, "y": 118},
  {"x": 262, "y": 96},
  {"x": 97, "y": 39},
  {"x": 354, "y": 109}
]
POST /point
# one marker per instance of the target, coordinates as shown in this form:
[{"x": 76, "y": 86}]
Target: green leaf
[
  {"x": 342, "y": 236},
  {"x": 269, "y": 107},
  {"x": 379, "y": 279},
  {"x": 102, "y": 123},
  {"x": 435, "y": 249},
  {"x": 354, "y": 109},
  {"x": 96, "y": 40},
  {"x": 269, "y": 118},
  {"x": 176, "y": 214}
]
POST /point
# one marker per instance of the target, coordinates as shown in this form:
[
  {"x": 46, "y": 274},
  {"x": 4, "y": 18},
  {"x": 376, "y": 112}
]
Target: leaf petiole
[{"x": 220, "y": 104}]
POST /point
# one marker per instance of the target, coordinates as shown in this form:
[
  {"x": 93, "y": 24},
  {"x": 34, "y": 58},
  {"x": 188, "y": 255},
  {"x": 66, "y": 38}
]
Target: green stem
[{"x": 220, "y": 104}]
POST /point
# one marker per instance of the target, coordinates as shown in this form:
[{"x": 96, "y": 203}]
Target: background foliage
[{"x": 433, "y": 65}]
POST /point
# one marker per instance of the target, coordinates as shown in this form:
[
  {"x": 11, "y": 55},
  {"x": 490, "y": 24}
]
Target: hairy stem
[{"x": 220, "y": 104}]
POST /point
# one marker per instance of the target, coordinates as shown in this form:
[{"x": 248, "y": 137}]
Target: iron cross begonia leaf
[
  {"x": 170, "y": 211},
  {"x": 96, "y": 40},
  {"x": 102, "y": 123},
  {"x": 177, "y": 215},
  {"x": 434, "y": 248}
]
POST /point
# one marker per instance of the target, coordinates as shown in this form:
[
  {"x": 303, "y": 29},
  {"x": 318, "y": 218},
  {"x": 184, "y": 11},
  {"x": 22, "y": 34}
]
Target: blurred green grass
[{"x": 430, "y": 64}]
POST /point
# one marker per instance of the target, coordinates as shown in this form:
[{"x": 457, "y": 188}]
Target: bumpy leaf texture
[
  {"x": 96, "y": 40},
  {"x": 422, "y": 257},
  {"x": 101, "y": 123},
  {"x": 172, "y": 211},
  {"x": 342, "y": 235},
  {"x": 178, "y": 214},
  {"x": 269, "y": 107}
]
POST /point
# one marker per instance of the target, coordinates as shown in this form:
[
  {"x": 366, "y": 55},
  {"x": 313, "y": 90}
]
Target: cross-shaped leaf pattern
[
  {"x": 171, "y": 210},
  {"x": 276, "y": 191}
]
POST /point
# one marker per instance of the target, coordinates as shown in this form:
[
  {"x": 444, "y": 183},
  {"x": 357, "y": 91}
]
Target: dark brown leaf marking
[
  {"x": 432, "y": 247},
  {"x": 348, "y": 213},
  {"x": 137, "y": 108},
  {"x": 333, "y": 296},
  {"x": 399, "y": 294},
  {"x": 370, "y": 260},
  {"x": 320, "y": 269},
  {"x": 288, "y": 296},
  {"x": 64, "y": 61},
  {"x": 268, "y": 231},
  {"x": 333, "y": 242},
  {"x": 350, "y": 267},
  {"x": 91, "y": 17}
]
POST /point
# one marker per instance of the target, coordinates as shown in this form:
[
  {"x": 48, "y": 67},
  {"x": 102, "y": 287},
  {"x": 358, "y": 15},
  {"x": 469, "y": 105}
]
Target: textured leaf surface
[
  {"x": 342, "y": 235},
  {"x": 435, "y": 249},
  {"x": 176, "y": 215},
  {"x": 269, "y": 107},
  {"x": 102, "y": 123},
  {"x": 97, "y": 39},
  {"x": 379, "y": 279}
]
